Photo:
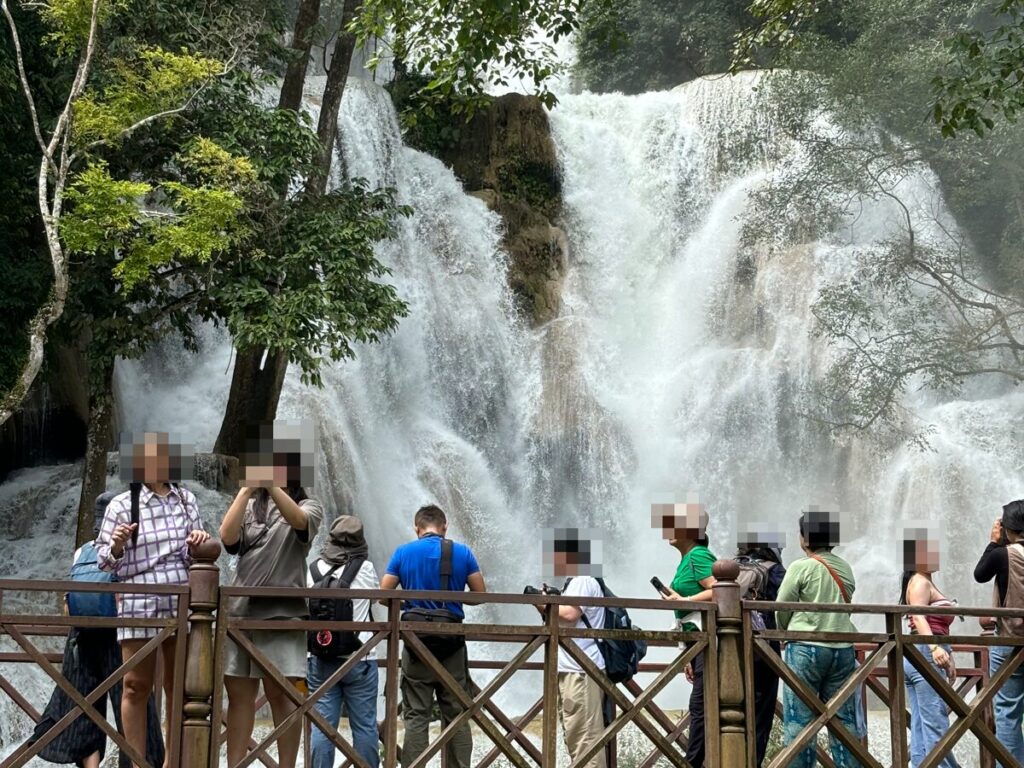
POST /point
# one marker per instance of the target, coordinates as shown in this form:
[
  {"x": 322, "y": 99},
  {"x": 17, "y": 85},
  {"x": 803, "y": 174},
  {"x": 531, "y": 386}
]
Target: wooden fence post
[
  {"x": 204, "y": 585},
  {"x": 732, "y": 735}
]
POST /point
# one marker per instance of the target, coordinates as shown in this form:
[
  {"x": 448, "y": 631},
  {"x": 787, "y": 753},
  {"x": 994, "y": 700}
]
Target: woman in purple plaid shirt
[{"x": 147, "y": 537}]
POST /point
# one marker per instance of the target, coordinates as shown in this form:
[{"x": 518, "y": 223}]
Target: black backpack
[
  {"x": 760, "y": 580},
  {"x": 621, "y": 657},
  {"x": 333, "y": 644}
]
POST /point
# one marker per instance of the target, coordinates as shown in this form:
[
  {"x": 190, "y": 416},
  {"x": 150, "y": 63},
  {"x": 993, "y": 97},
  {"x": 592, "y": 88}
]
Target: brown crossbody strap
[{"x": 835, "y": 578}]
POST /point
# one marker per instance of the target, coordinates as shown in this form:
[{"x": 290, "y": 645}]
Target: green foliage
[
  {"x": 431, "y": 122},
  {"x": 182, "y": 224},
  {"x": 70, "y": 21},
  {"x": 978, "y": 82},
  {"x": 645, "y": 45},
  {"x": 984, "y": 79},
  {"x": 466, "y": 45},
  {"x": 149, "y": 83},
  {"x": 312, "y": 286}
]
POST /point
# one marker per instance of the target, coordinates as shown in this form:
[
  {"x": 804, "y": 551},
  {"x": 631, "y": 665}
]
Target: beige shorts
[{"x": 285, "y": 649}]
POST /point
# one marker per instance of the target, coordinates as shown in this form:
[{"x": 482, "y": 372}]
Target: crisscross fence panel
[
  {"x": 25, "y": 629},
  {"x": 525, "y": 655},
  {"x": 512, "y": 736},
  {"x": 881, "y": 657}
]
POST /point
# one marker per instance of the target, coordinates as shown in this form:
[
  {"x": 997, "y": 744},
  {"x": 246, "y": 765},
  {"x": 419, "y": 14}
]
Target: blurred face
[
  {"x": 565, "y": 564},
  {"x": 926, "y": 557},
  {"x": 680, "y": 522},
  {"x": 275, "y": 473},
  {"x": 153, "y": 458}
]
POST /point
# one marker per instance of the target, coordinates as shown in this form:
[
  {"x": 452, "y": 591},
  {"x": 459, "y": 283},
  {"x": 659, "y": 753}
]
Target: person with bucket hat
[{"x": 343, "y": 564}]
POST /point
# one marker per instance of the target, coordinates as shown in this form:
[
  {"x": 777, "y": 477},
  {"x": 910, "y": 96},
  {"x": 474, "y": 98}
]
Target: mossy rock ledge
[{"x": 505, "y": 156}]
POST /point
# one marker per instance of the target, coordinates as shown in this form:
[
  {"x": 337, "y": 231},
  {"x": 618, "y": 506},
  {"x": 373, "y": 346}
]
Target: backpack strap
[
  {"x": 318, "y": 577},
  {"x": 835, "y": 578},
  {"x": 446, "y": 563},
  {"x": 351, "y": 571},
  {"x": 583, "y": 611}
]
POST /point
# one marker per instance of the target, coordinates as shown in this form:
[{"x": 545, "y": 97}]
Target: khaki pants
[
  {"x": 419, "y": 687},
  {"x": 581, "y": 708}
]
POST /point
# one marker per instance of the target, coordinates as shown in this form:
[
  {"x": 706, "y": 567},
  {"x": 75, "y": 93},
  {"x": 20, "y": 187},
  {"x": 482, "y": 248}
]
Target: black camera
[{"x": 544, "y": 590}]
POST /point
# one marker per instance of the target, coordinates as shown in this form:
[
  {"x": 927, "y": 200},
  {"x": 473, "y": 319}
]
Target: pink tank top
[{"x": 939, "y": 625}]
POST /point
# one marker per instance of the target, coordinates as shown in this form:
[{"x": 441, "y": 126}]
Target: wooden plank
[
  {"x": 391, "y": 685},
  {"x": 21, "y": 701},
  {"x": 898, "y": 722},
  {"x": 549, "y": 738},
  {"x": 177, "y": 705},
  {"x": 750, "y": 725},
  {"x": 712, "y": 692}
]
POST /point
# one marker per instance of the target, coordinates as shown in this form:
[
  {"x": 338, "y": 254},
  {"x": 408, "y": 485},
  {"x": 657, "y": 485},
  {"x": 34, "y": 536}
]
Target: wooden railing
[{"x": 730, "y": 647}]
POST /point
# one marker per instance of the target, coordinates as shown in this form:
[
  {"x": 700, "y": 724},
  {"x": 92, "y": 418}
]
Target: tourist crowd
[{"x": 148, "y": 534}]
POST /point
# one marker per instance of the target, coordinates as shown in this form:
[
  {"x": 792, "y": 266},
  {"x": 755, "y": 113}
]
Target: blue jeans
[
  {"x": 1008, "y": 703},
  {"x": 358, "y": 691},
  {"x": 823, "y": 670},
  {"x": 929, "y": 715}
]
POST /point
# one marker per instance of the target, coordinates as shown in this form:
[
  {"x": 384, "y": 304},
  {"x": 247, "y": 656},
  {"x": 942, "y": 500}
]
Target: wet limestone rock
[{"x": 505, "y": 156}]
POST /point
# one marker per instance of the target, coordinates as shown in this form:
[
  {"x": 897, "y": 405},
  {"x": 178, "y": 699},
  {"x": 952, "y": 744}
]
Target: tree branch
[{"x": 23, "y": 77}]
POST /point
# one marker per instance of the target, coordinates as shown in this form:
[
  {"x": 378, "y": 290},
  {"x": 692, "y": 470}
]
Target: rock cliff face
[{"x": 506, "y": 157}]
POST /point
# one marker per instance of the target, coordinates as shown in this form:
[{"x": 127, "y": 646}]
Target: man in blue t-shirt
[{"x": 417, "y": 566}]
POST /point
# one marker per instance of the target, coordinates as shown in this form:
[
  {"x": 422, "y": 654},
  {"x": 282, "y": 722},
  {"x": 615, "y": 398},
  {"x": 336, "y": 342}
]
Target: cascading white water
[{"x": 673, "y": 367}]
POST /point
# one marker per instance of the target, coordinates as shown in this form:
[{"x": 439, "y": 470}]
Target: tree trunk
[
  {"x": 255, "y": 393},
  {"x": 99, "y": 440},
  {"x": 337, "y": 75},
  {"x": 302, "y": 40}
]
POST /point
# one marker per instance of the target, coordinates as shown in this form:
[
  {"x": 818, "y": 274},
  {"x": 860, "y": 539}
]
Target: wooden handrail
[{"x": 726, "y": 638}]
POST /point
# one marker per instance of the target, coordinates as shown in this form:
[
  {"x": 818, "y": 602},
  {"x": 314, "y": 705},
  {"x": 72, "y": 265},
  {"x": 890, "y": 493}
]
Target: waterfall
[{"x": 673, "y": 369}]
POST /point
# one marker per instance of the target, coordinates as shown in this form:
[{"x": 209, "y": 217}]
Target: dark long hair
[
  {"x": 904, "y": 584},
  {"x": 909, "y": 563}
]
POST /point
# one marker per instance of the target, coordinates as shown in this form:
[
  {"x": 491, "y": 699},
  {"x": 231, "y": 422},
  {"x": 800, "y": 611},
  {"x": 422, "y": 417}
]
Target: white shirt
[
  {"x": 365, "y": 579},
  {"x": 584, "y": 586}
]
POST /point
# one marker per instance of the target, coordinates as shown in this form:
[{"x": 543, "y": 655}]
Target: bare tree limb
[{"x": 23, "y": 77}]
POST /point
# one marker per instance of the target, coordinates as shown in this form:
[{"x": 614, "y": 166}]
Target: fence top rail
[
  {"x": 882, "y": 608},
  {"x": 121, "y": 587},
  {"x": 473, "y": 598}
]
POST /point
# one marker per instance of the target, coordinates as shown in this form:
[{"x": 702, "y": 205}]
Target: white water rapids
[{"x": 667, "y": 372}]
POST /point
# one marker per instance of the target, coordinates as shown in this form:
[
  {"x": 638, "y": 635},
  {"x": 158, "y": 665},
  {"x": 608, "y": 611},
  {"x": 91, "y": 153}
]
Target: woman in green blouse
[{"x": 685, "y": 528}]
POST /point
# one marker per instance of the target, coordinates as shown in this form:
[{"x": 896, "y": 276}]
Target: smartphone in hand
[{"x": 656, "y": 583}]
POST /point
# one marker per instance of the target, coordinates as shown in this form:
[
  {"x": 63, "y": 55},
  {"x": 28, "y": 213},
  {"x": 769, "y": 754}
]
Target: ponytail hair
[{"x": 136, "y": 491}]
